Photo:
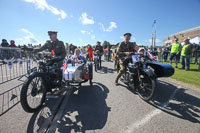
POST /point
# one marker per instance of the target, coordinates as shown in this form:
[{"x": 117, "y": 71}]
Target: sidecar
[
  {"x": 161, "y": 69},
  {"x": 77, "y": 73}
]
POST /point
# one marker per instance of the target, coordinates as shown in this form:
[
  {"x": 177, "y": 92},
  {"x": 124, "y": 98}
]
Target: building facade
[{"x": 182, "y": 35}]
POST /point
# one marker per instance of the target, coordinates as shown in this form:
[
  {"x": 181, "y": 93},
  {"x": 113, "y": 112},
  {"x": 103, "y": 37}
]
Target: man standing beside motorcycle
[
  {"x": 125, "y": 48},
  {"x": 100, "y": 49}
]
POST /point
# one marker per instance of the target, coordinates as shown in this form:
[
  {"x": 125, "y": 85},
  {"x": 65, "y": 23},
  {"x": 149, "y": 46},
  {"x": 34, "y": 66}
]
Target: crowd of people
[
  {"x": 9, "y": 51},
  {"x": 185, "y": 53}
]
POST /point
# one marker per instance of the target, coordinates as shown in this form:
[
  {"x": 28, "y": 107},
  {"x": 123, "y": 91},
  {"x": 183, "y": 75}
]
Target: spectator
[
  {"x": 72, "y": 49},
  {"x": 159, "y": 53},
  {"x": 4, "y": 43},
  {"x": 90, "y": 52},
  {"x": 12, "y": 44},
  {"x": 199, "y": 64},
  {"x": 186, "y": 54},
  {"x": 196, "y": 53},
  {"x": 175, "y": 50}
]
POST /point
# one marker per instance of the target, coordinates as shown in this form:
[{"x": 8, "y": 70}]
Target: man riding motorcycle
[
  {"x": 100, "y": 49},
  {"x": 57, "y": 50},
  {"x": 54, "y": 46},
  {"x": 124, "y": 49}
]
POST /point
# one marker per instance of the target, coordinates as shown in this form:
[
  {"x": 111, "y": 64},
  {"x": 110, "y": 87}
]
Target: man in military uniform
[
  {"x": 100, "y": 48},
  {"x": 54, "y": 45},
  {"x": 124, "y": 49}
]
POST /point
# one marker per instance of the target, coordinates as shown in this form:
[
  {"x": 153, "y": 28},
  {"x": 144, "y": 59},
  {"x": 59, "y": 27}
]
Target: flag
[
  {"x": 20, "y": 63},
  {"x": 52, "y": 53},
  {"x": 76, "y": 59},
  {"x": 10, "y": 63},
  {"x": 64, "y": 65}
]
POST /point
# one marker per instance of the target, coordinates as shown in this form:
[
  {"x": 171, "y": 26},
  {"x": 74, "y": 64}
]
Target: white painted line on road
[{"x": 149, "y": 116}]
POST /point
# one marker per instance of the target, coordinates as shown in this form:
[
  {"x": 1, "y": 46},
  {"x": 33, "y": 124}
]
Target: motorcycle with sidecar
[{"x": 48, "y": 77}]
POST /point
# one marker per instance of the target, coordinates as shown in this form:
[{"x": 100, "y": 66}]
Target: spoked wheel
[
  {"x": 33, "y": 93},
  {"x": 146, "y": 88}
]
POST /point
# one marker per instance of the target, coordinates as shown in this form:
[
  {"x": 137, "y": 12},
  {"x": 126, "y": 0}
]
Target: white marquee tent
[{"x": 195, "y": 40}]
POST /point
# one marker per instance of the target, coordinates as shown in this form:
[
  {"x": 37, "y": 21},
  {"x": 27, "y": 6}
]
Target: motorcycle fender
[{"x": 37, "y": 73}]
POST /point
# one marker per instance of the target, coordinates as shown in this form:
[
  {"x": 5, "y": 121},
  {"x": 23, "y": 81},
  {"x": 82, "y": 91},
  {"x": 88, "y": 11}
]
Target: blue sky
[{"x": 84, "y": 22}]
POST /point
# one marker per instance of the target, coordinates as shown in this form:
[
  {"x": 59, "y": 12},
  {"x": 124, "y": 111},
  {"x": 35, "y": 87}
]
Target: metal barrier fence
[
  {"x": 15, "y": 63},
  {"x": 9, "y": 99}
]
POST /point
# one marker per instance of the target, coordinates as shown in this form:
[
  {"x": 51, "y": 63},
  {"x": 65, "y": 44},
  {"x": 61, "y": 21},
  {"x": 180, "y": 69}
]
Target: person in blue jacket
[{"x": 77, "y": 56}]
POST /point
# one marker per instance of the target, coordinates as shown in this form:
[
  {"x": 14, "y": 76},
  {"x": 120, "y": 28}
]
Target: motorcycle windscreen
[{"x": 162, "y": 69}]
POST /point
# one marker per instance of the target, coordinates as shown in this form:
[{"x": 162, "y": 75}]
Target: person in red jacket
[
  {"x": 12, "y": 44},
  {"x": 90, "y": 52}
]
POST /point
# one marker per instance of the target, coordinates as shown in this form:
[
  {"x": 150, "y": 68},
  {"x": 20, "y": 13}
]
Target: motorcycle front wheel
[
  {"x": 33, "y": 93},
  {"x": 146, "y": 87}
]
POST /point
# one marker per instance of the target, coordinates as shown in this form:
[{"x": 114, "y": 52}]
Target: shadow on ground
[
  {"x": 85, "y": 110},
  {"x": 105, "y": 70},
  {"x": 185, "y": 105}
]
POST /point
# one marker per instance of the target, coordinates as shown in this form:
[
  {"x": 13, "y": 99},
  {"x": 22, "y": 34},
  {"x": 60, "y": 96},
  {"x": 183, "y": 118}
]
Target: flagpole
[{"x": 154, "y": 35}]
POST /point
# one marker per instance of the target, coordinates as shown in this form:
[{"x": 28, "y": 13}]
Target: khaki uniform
[
  {"x": 122, "y": 48},
  {"x": 58, "y": 48}
]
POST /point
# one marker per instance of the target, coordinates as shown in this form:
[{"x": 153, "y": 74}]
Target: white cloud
[
  {"x": 83, "y": 31},
  {"x": 93, "y": 36},
  {"x": 88, "y": 33},
  {"x": 29, "y": 38},
  {"x": 157, "y": 40},
  {"x": 85, "y": 20},
  {"x": 112, "y": 26},
  {"x": 121, "y": 37},
  {"x": 42, "y": 5}
]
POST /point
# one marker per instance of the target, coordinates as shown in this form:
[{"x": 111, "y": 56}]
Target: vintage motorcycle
[
  {"x": 47, "y": 77},
  {"x": 141, "y": 74},
  {"x": 97, "y": 60}
]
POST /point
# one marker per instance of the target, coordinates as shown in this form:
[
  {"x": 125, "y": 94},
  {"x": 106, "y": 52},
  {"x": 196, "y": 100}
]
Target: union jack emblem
[
  {"x": 76, "y": 59},
  {"x": 64, "y": 65}
]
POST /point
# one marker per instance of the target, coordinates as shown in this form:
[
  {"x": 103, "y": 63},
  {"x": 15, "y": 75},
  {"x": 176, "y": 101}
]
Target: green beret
[
  {"x": 52, "y": 32},
  {"x": 127, "y": 34}
]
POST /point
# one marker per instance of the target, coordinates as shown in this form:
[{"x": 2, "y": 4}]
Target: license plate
[{"x": 135, "y": 59}]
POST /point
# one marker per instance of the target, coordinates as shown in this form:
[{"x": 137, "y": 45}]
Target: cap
[
  {"x": 3, "y": 39},
  {"x": 176, "y": 39},
  {"x": 98, "y": 42},
  {"x": 127, "y": 34},
  {"x": 12, "y": 41},
  {"x": 52, "y": 32}
]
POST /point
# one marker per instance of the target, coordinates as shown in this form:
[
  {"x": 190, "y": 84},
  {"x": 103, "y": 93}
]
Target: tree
[
  {"x": 67, "y": 45},
  {"x": 106, "y": 44}
]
